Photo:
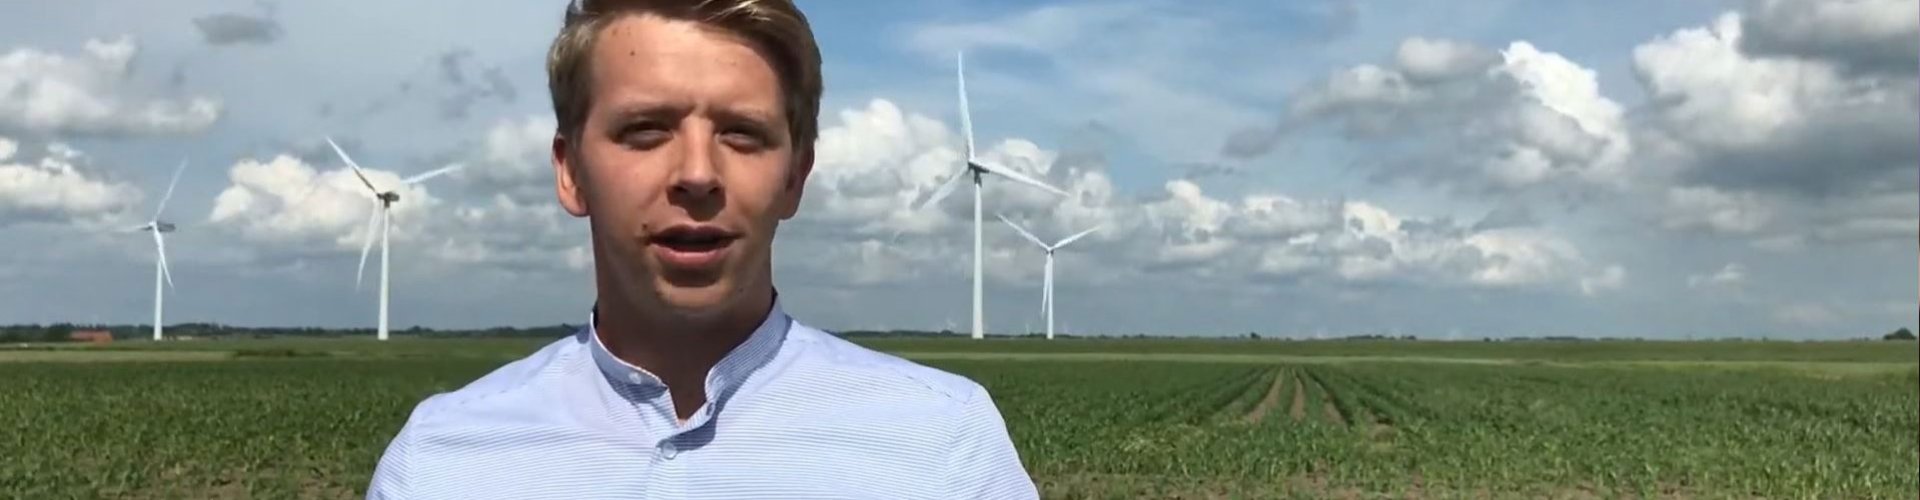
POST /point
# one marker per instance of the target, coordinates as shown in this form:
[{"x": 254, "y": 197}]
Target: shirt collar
[{"x": 723, "y": 379}]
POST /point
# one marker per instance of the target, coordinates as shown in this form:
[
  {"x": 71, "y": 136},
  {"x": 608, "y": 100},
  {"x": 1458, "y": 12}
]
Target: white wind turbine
[
  {"x": 977, "y": 169},
  {"x": 382, "y": 215},
  {"x": 1046, "y": 290},
  {"x": 160, "y": 272}
]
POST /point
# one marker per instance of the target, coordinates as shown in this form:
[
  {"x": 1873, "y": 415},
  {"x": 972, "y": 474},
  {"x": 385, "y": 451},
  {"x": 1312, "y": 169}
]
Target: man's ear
[
  {"x": 796, "y": 183},
  {"x": 566, "y": 176}
]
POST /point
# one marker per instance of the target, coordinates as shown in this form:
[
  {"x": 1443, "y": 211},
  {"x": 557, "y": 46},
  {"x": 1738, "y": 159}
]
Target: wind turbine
[
  {"x": 1046, "y": 290},
  {"x": 977, "y": 169},
  {"x": 160, "y": 272},
  {"x": 383, "y": 216}
]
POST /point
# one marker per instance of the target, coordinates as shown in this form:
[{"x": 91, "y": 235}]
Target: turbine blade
[
  {"x": 1023, "y": 231},
  {"x": 966, "y": 115},
  {"x": 372, "y": 221},
  {"x": 945, "y": 189},
  {"x": 160, "y": 246},
  {"x": 1071, "y": 239},
  {"x": 170, "y": 185},
  {"x": 354, "y": 166},
  {"x": 432, "y": 174},
  {"x": 1017, "y": 176}
]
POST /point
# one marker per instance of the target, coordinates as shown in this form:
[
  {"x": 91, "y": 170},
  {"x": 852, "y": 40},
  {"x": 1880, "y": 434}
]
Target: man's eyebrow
[
  {"x": 749, "y": 114},
  {"x": 636, "y": 110}
]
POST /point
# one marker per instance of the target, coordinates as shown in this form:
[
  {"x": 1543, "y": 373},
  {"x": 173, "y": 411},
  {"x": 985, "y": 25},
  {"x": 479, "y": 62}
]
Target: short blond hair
[{"x": 776, "y": 26}]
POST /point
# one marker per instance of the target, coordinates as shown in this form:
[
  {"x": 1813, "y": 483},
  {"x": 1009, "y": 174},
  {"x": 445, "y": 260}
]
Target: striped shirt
[{"x": 792, "y": 412}]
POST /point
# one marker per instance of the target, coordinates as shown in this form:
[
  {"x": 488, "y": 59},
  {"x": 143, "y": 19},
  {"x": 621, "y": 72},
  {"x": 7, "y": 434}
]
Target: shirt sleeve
[
  {"x": 391, "y": 474},
  {"x": 984, "y": 462}
]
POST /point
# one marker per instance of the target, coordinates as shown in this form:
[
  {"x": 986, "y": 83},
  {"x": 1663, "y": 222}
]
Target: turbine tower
[
  {"x": 1046, "y": 290},
  {"x": 382, "y": 216},
  {"x": 160, "y": 273},
  {"x": 977, "y": 169}
]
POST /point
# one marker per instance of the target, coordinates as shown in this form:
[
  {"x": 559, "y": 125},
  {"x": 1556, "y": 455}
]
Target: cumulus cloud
[
  {"x": 1715, "y": 210},
  {"x": 285, "y": 201},
  {"x": 87, "y": 94},
  {"x": 293, "y": 209},
  {"x": 1860, "y": 36},
  {"x": 1787, "y": 146},
  {"x": 879, "y": 159},
  {"x": 514, "y": 159},
  {"x": 57, "y": 188},
  {"x": 1453, "y": 114},
  {"x": 1731, "y": 275},
  {"x": 1771, "y": 123}
]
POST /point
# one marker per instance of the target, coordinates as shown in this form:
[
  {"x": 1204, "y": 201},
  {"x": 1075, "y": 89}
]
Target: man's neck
[{"x": 681, "y": 351}]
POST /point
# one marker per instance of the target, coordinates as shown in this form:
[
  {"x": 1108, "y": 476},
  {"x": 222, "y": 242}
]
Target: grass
[{"x": 308, "y": 418}]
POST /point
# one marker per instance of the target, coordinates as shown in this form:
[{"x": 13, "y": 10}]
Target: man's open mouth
[{"x": 693, "y": 239}]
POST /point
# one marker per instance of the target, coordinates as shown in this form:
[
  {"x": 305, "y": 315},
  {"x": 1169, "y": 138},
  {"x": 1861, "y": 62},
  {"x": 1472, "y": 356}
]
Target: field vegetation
[{"x": 308, "y": 418}]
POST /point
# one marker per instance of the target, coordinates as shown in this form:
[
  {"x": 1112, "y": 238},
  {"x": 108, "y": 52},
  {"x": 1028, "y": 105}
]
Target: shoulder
[
  {"x": 505, "y": 390},
  {"x": 847, "y": 359},
  {"x": 510, "y": 393}
]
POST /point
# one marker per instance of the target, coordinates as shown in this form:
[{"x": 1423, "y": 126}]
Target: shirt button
[{"x": 668, "y": 451}]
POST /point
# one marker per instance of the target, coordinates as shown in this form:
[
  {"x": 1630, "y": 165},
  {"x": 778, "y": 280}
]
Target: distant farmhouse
[{"x": 94, "y": 336}]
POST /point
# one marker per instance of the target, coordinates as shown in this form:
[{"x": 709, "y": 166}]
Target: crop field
[{"x": 1099, "y": 419}]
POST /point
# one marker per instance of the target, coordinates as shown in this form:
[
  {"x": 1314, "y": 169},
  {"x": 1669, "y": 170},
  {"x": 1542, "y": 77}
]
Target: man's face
[{"x": 684, "y": 164}]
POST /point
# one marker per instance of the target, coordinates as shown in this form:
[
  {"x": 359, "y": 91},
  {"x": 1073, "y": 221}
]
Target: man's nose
[{"x": 696, "y": 175}]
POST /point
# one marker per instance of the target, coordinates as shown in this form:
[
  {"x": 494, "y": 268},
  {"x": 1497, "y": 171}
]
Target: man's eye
[
  {"x": 744, "y": 139},
  {"x": 644, "y": 136}
]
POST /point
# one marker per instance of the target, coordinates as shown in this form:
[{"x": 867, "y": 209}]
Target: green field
[{"x": 1092, "y": 418}]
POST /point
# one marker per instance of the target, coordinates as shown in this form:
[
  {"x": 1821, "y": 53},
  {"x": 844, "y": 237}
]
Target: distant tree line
[{"x": 63, "y": 332}]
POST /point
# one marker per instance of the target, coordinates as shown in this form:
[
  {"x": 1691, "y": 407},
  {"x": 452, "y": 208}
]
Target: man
[{"x": 686, "y": 132}]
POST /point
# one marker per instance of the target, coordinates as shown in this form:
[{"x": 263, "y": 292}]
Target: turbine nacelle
[{"x": 389, "y": 197}]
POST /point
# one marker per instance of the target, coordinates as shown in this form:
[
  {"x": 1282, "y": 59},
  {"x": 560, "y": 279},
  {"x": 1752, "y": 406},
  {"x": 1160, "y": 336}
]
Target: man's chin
[{"x": 706, "y": 301}]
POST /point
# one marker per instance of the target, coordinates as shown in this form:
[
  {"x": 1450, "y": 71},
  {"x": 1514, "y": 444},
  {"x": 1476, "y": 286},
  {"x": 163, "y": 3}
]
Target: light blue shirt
[{"x": 792, "y": 413}]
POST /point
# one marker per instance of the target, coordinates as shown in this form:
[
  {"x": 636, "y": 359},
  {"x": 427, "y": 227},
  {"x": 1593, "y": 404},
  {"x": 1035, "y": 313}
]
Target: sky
[{"x": 1314, "y": 168}]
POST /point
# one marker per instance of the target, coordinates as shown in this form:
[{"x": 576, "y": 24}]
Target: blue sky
[{"x": 1465, "y": 169}]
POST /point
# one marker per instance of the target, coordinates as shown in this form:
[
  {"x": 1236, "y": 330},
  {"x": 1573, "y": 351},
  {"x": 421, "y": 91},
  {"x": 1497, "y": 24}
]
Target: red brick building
[{"x": 94, "y": 336}]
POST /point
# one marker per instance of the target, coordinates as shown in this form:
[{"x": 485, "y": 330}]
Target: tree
[
  {"x": 1901, "y": 334},
  {"x": 58, "y": 333}
]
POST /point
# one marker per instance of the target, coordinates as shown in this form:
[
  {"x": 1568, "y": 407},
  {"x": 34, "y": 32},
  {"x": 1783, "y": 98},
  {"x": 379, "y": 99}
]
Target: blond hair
[{"x": 776, "y": 26}]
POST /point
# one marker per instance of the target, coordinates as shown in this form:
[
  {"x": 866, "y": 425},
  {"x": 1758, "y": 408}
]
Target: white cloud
[
  {"x": 879, "y": 159},
  {"x": 285, "y": 202},
  {"x": 515, "y": 158},
  {"x": 1712, "y": 209},
  {"x": 1731, "y": 275},
  {"x": 57, "y": 189},
  {"x": 1456, "y": 115},
  {"x": 1787, "y": 147},
  {"x": 506, "y": 219},
  {"x": 87, "y": 94}
]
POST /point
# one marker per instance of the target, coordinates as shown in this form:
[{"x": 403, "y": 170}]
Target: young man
[{"x": 686, "y": 132}]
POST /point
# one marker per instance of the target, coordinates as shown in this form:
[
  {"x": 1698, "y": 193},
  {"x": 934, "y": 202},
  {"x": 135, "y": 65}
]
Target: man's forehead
[{"x": 657, "y": 62}]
